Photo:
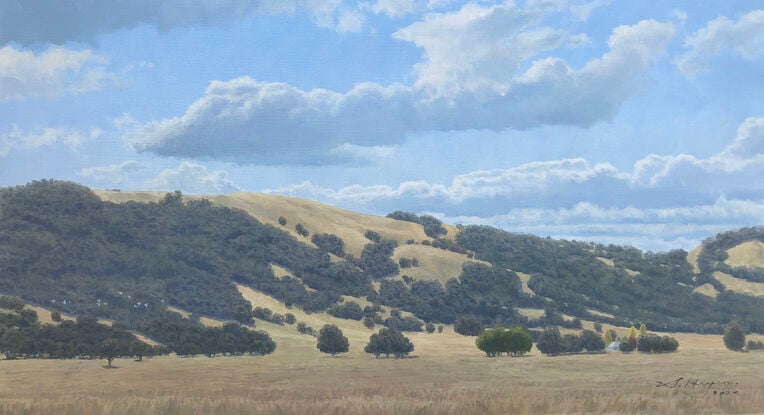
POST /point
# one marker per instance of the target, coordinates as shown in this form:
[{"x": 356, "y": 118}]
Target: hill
[{"x": 134, "y": 257}]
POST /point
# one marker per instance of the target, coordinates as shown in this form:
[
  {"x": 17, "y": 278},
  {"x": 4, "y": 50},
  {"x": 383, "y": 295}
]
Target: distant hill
[{"x": 133, "y": 257}]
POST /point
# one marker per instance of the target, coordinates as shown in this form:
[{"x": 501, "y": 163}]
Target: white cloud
[
  {"x": 114, "y": 173},
  {"x": 651, "y": 229},
  {"x": 394, "y": 8},
  {"x": 54, "y": 72},
  {"x": 656, "y": 181},
  {"x": 744, "y": 36},
  {"x": 19, "y": 139},
  {"x": 475, "y": 85},
  {"x": 736, "y": 167},
  {"x": 193, "y": 178}
]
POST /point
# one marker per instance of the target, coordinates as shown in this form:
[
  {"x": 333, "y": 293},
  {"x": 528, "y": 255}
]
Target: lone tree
[
  {"x": 642, "y": 329},
  {"x": 389, "y": 342},
  {"x": 55, "y": 316},
  {"x": 331, "y": 340},
  {"x": 734, "y": 336},
  {"x": 109, "y": 349}
]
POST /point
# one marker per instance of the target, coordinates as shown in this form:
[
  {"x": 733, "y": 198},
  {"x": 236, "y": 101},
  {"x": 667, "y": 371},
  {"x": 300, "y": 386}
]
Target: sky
[{"x": 614, "y": 121}]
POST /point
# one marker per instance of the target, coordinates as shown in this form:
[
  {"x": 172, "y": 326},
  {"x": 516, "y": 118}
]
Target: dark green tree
[
  {"x": 468, "y": 326},
  {"x": 331, "y": 340},
  {"x": 734, "y": 336},
  {"x": 550, "y": 341},
  {"x": 592, "y": 342},
  {"x": 389, "y": 342}
]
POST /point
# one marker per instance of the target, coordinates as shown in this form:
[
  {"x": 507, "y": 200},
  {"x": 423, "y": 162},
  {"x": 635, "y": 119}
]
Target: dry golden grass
[
  {"x": 606, "y": 261},
  {"x": 449, "y": 376},
  {"x": 524, "y": 278},
  {"x": 747, "y": 254},
  {"x": 707, "y": 290},
  {"x": 692, "y": 258},
  {"x": 434, "y": 264},
  {"x": 740, "y": 285}
]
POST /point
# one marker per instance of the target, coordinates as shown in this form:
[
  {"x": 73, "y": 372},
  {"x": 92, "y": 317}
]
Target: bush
[
  {"x": 468, "y": 326},
  {"x": 282, "y": 221},
  {"x": 368, "y": 322},
  {"x": 301, "y": 230},
  {"x": 755, "y": 345},
  {"x": 625, "y": 346},
  {"x": 440, "y": 329},
  {"x": 289, "y": 318},
  {"x": 598, "y": 327},
  {"x": 429, "y": 327},
  {"x": 303, "y": 328}
]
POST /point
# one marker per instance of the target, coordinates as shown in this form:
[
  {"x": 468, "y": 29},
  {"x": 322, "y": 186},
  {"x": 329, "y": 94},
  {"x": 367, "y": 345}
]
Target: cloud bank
[{"x": 460, "y": 87}]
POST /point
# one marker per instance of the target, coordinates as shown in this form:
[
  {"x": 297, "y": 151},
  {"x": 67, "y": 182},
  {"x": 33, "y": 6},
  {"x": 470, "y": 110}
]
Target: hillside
[{"x": 103, "y": 253}]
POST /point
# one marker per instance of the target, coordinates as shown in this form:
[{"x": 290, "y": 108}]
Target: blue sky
[{"x": 615, "y": 121}]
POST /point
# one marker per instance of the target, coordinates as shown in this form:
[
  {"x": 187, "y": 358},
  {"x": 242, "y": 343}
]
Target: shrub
[
  {"x": 368, "y": 322},
  {"x": 755, "y": 345},
  {"x": 303, "y": 328},
  {"x": 301, "y": 230},
  {"x": 625, "y": 346},
  {"x": 282, "y": 221},
  {"x": 429, "y": 327},
  {"x": 289, "y": 318},
  {"x": 598, "y": 327},
  {"x": 440, "y": 329}
]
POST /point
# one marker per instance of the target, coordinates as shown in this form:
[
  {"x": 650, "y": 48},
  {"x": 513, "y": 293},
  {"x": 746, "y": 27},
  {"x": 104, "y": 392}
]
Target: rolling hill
[{"x": 138, "y": 258}]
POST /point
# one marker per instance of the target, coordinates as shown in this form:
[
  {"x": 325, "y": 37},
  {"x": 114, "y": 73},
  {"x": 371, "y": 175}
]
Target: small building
[{"x": 614, "y": 346}]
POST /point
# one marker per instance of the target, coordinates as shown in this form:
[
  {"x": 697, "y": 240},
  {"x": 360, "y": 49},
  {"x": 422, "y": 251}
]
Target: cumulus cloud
[
  {"x": 113, "y": 173},
  {"x": 745, "y": 37},
  {"x": 54, "y": 72},
  {"x": 656, "y": 181},
  {"x": 469, "y": 79},
  {"x": 193, "y": 178},
  {"x": 18, "y": 139},
  {"x": 52, "y": 21}
]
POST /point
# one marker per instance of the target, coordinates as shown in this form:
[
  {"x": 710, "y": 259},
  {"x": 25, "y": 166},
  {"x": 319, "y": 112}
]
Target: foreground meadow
[{"x": 447, "y": 376}]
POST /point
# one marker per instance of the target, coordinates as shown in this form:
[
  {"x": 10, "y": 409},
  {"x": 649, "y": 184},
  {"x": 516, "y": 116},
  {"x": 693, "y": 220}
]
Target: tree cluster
[
  {"x": 348, "y": 310},
  {"x": 656, "y": 344},
  {"x": 515, "y": 341},
  {"x": 433, "y": 227},
  {"x": 389, "y": 341},
  {"x": 550, "y": 341}
]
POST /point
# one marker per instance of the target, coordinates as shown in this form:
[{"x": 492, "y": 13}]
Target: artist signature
[{"x": 697, "y": 387}]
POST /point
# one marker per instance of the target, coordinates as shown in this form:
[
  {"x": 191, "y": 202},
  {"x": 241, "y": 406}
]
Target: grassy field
[{"x": 446, "y": 376}]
